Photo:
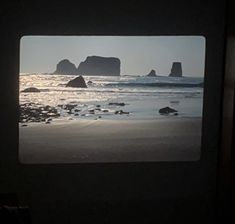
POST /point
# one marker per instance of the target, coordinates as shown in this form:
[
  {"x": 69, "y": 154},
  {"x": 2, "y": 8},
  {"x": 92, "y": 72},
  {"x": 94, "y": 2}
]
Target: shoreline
[{"x": 96, "y": 141}]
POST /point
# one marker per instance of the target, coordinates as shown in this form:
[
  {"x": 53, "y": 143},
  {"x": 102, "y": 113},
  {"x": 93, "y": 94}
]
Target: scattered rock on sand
[
  {"x": 77, "y": 82},
  {"x": 69, "y": 106},
  {"x": 31, "y": 90},
  {"x": 121, "y": 112},
  {"x": 33, "y": 113},
  {"x": 92, "y": 111},
  {"x": 167, "y": 110}
]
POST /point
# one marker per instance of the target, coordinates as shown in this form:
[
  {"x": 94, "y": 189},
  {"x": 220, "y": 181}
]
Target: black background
[{"x": 159, "y": 192}]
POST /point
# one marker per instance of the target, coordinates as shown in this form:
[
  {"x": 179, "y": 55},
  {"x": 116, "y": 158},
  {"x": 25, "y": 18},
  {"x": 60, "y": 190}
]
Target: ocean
[{"x": 138, "y": 97}]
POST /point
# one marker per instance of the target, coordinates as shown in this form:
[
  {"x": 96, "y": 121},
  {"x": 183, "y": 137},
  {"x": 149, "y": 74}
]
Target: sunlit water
[{"x": 142, "y": 100}]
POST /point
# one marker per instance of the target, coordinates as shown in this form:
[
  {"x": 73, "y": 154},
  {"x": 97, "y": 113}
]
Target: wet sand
[{"x": 88, "y": 141}]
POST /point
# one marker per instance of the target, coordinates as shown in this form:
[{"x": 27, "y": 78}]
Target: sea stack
[
  {"x": 78, "y": 82},
  {"x": 97, "y": 65},
  {"x": 65, "y": 67},
  {"x": 176, "y": 70},
  {"x": 152, "y": 73}
]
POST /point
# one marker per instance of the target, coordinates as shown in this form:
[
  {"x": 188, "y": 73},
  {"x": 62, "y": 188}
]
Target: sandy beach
[{"x": 94, "y": 141}]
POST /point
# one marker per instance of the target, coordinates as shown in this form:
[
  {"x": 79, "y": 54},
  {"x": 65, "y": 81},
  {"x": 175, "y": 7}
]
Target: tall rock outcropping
[
  {"x": 97, "y": 65},
  {"x": 65, "y": 67},
  {"x": 176, "y": 70}
]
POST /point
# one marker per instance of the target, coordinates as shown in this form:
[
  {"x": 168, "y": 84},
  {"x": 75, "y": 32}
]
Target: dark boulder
[
  {"x": 65, "y": 67},
  {"x": 96, "y": 65},
  {"x": 167, "y": 110},
  {"x": 121, "y": 112},
  {"x": 176, "y": 70},
  {"x": 77, "y": 82},
  {"x": 31, "y": 90},
  {"x": 152, "y": 73},
  {"x": 117, "y": 104}
]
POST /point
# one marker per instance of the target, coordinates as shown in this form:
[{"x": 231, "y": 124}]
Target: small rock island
[
  {"x": 65, "y": 67},
  {"x": 176, "y": 70},
  {"x": 152, "y": 73}
]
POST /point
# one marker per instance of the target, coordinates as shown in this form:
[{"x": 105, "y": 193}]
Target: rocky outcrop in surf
[
  {"x": 152, "y": 73},
  {"x": 176, "y": 70},
  {"x": 77, "y": 82},
  {"x": 93, "y": 65},
  {"x": 65, "y": 67},
  {"x": 96, "y": 65}
]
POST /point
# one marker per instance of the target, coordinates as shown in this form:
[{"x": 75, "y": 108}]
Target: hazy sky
[{"x": 138, "y": 54}]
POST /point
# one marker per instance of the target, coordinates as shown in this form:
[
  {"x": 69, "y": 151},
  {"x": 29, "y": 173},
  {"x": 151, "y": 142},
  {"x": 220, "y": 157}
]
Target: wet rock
[
  {"x": 92, "y": 111},
  {"x": 34, "y": 113},
  {"x": 121, "y": 112},
  {"x": 167, "y": 110},
  {"x": 89, "y": 82},
  {"x": 52, "y": 114},
  {"x": 31, "y": 90},
  {"x": 117, "y": 104},
  {"x": 77, "y": 82},
  {"x": 69, "y": 106}
]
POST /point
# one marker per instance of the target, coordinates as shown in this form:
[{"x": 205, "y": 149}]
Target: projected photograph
[{"x": 106, "y": 99}]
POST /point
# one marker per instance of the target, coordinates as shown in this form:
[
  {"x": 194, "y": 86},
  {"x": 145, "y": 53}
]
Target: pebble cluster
[{"x": 31, "y": 112}]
